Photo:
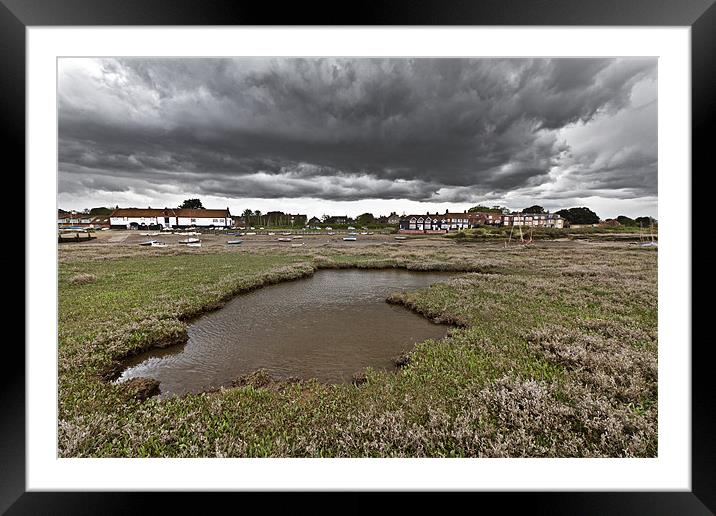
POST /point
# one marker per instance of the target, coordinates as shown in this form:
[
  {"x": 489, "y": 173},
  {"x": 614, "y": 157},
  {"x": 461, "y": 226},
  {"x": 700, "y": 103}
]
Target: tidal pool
[{"x": 328, "y": 326}]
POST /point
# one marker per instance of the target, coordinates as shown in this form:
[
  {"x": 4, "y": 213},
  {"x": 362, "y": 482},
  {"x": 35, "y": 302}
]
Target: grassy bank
[
  {"x": 502, "y": 233},
  {"x": 555, "y": 355}
]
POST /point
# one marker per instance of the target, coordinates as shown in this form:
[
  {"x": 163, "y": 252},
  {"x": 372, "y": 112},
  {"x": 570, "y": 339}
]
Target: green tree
[
  {"x": 582, "y": 215},
  {"x": 483, "y": 209},
  {"x": 365, "y": 219},
  {"x": 192, "y": 204},
  {"x": 626, "y": 221},
  {"x": 534, "y": 209},
  {"x": 96, "y": 212}
]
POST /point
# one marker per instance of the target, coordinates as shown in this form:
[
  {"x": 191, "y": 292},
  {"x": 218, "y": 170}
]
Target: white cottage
[{"x": 136, "y": 218}]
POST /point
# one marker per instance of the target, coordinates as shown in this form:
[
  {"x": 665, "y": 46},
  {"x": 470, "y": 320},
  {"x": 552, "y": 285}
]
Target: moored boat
[{"x": 234, "y": 242}]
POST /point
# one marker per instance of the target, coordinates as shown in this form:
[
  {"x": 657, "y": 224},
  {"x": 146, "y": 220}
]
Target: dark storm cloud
[{"x": 419, "y": 129}]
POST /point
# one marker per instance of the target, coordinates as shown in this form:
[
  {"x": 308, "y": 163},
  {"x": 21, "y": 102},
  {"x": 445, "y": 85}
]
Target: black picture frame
[{"x": 700, "y": 15}]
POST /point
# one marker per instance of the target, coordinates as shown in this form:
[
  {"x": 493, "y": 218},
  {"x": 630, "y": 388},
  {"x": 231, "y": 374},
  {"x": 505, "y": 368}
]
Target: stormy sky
[{"x": 350, "y": 135}]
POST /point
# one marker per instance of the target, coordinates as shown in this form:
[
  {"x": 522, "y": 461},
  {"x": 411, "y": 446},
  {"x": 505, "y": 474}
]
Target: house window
[
  {"x": 193, "y": 220},
  {"x": 216, "y": 220}
]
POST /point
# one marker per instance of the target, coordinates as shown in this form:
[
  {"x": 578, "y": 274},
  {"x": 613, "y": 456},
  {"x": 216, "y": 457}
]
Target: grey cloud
[{"x": 348, "y": 128}]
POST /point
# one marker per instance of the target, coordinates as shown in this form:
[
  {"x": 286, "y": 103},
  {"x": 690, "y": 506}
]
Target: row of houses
[
  {"x": 545, "y": 220},
  {"x": 448, "y": 221},
  {"x": 74, "y": 218},
  {"x": 135, "y": 218},
  {"x": 467, "y": 220}
]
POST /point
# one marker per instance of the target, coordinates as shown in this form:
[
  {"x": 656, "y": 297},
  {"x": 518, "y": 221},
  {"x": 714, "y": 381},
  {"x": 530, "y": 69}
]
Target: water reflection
[{"x": 328, "y": 326}]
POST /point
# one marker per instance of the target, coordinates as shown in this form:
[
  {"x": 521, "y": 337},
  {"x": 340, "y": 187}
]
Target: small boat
[
  {"x": 158, "y": 244},
  {"x": 297, "y": 245},
  {"x": 194, "y": 244},
  {"x": 149, "y": 242},
  {"x": 401, "y": 238},
  {"x": 272, "y": 234},
  {"x": 350, "y": 238},
  {"x": 284, "y": 239},
  {"x": 234, "y": 242},
  {"x": 189, "y": 241},
  {"x": 297, "y": 236},
  {"x": 247, "y": 234}
]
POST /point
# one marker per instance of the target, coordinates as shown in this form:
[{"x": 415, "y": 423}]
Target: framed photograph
[{"x": 413, "y": 249}]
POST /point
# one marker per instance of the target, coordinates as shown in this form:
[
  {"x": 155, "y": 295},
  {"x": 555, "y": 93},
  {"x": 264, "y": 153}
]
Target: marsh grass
[
  {"x": 487, "y": 233},
  {"x": 555, "y": 356}
]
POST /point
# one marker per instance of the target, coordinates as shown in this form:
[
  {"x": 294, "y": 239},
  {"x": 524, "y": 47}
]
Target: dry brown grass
[{"x": 82, "y": 279}]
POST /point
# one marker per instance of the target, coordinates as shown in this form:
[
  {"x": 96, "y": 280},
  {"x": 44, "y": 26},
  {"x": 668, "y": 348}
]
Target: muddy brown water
[{"x": 328, "y": 326}]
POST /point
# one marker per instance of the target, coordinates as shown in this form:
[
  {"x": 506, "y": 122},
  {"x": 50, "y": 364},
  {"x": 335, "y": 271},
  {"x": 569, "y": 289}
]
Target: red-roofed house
[{"x": 72, "y": 218}]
